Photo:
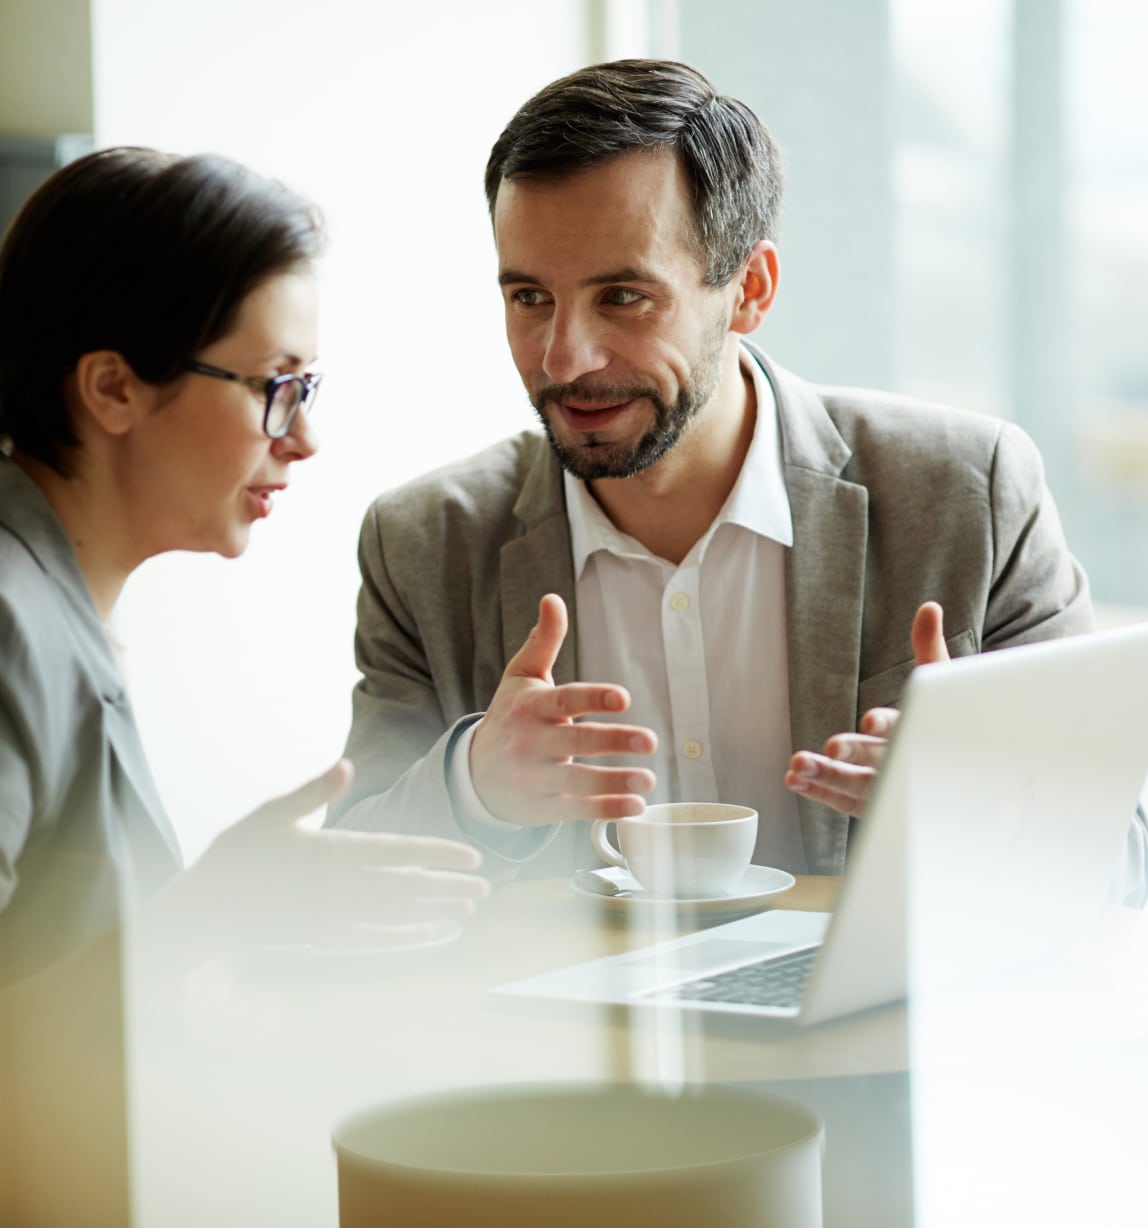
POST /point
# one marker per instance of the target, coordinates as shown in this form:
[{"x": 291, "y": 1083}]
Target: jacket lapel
[
  {"x": 539, "y": 561},
  {"x": 824, "y": 577},
  {"x": 153, "y": 841},
  {"x": 150, "y": 819}
]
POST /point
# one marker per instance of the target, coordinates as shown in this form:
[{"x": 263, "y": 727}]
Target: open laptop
[{"x": 1009, "y": 786}]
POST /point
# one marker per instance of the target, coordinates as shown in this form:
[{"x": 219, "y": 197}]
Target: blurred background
[{"x": 965, "y": 221}]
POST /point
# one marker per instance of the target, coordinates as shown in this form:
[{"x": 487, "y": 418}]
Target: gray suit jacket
[
  {"x": 81, "y": 825},
  {"x": 894, "y": 503}
]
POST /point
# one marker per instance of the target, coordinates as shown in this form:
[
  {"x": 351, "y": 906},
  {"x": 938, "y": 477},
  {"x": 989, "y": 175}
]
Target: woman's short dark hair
[
  {"x": 597, "y": 113},
  {"x": 141, "y": 252}
]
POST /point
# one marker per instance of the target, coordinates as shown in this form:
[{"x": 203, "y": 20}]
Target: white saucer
[{"x": 753, "y": 893}]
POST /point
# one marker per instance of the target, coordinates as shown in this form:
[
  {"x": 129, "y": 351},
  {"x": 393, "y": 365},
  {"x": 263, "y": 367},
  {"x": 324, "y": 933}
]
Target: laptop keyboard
[{"x": 777, "y": 981}]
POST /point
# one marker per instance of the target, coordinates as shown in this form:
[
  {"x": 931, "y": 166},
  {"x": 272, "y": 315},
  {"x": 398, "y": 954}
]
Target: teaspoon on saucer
[{"x": 589, "y": 881}]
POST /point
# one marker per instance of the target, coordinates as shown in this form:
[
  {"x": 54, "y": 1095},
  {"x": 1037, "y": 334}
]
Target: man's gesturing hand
[
  {"x": 843, "y": 776},
  {"x": 522, "y": 756}
]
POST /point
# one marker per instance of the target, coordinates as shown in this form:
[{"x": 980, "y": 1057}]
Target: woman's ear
[
  {"x": 757, "y": 284},
  {"x": 108, "y": 391}
]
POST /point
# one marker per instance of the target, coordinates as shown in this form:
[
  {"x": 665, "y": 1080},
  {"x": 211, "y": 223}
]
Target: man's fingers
[
  {"x": 928, "y": 635},
  {"x": 843, "y": 803},
  {"x": 582, "y": 780},
  {"x": 843, "y": 776},
  {"x": 587, "y": 739},
  {"x": 574, "y": 699},
  {"x": 535, "y": 659},
  {"x": 844, "y": 786},
  {"x": 532, "y": 729},
  {"x": 880, "y": 722},
  {"x": 856, "y": 748},
  {"x": 561, "y": 808},
  {"x": 807, "y": 766}
]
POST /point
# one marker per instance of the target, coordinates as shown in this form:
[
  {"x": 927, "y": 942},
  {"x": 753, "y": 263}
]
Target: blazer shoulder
[
  {"x": 865, "y": 410},
  {"x": 494, "y": 495},
  {"x": 888, "y": 430},
  {"x": 487, "y": 479}
]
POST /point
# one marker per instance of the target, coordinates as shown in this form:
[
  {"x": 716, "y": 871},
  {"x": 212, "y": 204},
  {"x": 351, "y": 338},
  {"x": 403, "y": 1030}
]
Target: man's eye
[
  {"x": 528, "y": 298},
  {"x": 617, "y": 296}
]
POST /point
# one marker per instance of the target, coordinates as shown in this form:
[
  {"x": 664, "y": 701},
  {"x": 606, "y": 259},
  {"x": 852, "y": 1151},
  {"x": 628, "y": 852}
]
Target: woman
[{"x": 157, "y": 318}]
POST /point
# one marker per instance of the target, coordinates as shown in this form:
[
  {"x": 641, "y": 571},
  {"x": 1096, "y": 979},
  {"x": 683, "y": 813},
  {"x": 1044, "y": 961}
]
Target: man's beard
[{"x": 593, "y": 458}]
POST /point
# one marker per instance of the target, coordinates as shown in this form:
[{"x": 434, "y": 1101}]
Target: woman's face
[{"x": 202, "y": 471}]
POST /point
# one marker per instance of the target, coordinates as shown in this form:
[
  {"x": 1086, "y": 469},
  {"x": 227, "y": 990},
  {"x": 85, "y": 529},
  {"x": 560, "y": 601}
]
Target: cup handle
[{"x": 602, "y": 846}]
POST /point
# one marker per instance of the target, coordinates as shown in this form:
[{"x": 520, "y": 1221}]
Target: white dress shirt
[{"x": 700, "y": 646}]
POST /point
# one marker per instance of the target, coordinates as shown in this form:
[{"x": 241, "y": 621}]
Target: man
[{"x": 743, "y": 551}]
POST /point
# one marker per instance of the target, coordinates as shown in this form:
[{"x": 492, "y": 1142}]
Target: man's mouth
[{"x": 591, "y": 416}]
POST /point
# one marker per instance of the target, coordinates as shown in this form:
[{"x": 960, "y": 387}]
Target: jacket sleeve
[
  {"x": 409, "y": 709},
  {"x": 400, "y": 733},
  {"x": 17, "y": 751},
  {"x": 15, "y": 803},
  {"x": 1038, "y": 591}
]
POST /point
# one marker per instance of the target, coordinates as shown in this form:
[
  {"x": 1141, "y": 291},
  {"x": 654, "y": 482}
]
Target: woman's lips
[{"x": 260, "y": 498}]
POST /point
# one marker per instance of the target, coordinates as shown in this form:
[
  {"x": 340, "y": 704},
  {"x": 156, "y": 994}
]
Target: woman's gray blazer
[{"x": 82, "y": 829}]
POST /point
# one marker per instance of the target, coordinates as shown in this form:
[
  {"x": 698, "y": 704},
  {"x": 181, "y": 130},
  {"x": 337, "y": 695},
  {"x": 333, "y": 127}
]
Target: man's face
[{"x": 616, "y": 336}]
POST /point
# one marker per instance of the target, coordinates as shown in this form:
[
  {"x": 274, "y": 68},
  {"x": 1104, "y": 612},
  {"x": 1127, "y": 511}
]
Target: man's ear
[
  {"x": 756, "y": 284},
  {"x": 108, "y": 391}
]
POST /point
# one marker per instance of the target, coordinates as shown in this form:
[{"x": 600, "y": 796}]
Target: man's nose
[{"x": 574, "y": 348}]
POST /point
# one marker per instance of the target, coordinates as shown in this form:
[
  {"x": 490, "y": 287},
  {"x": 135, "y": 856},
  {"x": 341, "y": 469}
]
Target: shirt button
[
  {"x": 692, "y": 749},
  {"x": 679, "y": 603}
]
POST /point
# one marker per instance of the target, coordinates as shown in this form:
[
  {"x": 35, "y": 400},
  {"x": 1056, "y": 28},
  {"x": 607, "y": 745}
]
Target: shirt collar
[{"x": 758, "y": 502}]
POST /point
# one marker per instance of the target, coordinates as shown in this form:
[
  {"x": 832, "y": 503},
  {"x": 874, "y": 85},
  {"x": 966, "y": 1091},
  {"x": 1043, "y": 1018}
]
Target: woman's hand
[{"x": 269, "y": 879}]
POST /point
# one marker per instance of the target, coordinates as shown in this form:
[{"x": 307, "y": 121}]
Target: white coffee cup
[
  {"x": 691, "y": 850},
  {"x": 572, "y": 1155}
]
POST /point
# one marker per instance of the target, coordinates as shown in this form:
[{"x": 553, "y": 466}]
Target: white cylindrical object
[{"x": 571, "y": 1155}]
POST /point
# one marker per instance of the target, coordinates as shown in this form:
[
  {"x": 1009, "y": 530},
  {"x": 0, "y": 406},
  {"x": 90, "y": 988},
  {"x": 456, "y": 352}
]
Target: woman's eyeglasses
[{"x": 284, "y": 395}]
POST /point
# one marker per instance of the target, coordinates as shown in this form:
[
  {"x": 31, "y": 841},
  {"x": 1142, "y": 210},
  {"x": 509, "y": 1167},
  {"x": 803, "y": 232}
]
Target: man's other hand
[{"x": 843, "y": 775}]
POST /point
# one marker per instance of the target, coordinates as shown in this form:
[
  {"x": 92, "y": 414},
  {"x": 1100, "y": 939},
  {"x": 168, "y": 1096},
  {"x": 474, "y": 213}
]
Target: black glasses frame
[{"x": 305, "y": 386}]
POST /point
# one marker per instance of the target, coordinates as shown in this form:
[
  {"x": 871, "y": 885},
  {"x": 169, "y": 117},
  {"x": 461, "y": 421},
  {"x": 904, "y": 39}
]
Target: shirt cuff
[
  {"x": 468, "y": 807},
  {"x": 509, "y": 840}
]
